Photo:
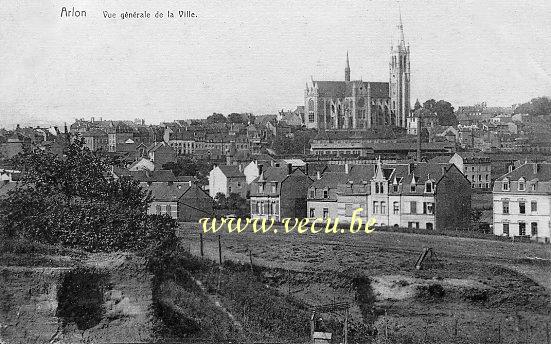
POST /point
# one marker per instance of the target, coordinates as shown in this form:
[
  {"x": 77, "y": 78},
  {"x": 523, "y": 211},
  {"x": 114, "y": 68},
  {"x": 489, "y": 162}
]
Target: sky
[{"x": 256, "y": 56}]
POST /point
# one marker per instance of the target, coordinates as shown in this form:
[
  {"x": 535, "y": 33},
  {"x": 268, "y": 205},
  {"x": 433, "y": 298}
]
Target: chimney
[
  {"x": 240, "y": 167},
  {"x": 346, "y": 168},
  {"x": 189, "y": 182},
  {"x": 536, "y": 167},
  {"x": 318, "y": 175},
  {"x": 289, "y": 168},
  {"x": 411, "y": 167}
]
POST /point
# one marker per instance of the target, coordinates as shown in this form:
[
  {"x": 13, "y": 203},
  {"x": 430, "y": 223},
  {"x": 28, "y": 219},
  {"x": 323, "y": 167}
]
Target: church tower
[
  {"x": 347, "y": 69},
  {"x": 400, "y": 79}
]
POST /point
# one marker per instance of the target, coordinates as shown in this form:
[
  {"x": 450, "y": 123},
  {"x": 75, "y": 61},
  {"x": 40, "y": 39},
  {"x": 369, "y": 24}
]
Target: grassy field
[{"x": 472, "y": 290}]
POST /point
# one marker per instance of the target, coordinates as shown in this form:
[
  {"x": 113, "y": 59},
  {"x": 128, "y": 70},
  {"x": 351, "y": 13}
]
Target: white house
[
  {"x": 522, "y": 202},
  {"x": 227, "y": 179}
]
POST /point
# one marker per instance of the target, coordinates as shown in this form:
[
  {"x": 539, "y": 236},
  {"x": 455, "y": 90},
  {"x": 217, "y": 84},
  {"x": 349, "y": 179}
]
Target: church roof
[{"x": 342, "y": 89}]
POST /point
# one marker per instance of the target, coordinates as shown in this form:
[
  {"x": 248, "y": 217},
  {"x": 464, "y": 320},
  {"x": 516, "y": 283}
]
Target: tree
[
  {"x": 217, "y": 118},
  {"x": 540, "y": 106},
  {"x": 71, "y": 200},
  {"x": 297, "y": 144},
  {"x": 182, "y": 167},
  {"x": 444, "y": 111}
]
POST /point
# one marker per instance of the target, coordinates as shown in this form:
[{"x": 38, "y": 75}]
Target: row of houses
[{"x": 423, "y": 195}]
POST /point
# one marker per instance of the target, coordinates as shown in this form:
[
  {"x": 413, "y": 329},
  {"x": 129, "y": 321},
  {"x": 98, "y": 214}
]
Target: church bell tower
[
  {"x": 400, "y": 79},
  {"x": 347, "y": 69}
]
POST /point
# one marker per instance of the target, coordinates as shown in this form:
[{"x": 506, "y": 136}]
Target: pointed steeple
[
  {"x": 347, "y": 69},
  {"x": 399, "y": 39}
]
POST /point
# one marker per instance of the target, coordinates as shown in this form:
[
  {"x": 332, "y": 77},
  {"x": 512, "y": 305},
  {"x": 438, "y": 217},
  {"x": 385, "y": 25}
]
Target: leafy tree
[
  {"x": 298, "y": 144},
  {"x": 444, "y": 111},
  {"x": 217, "y": 118},
  {"x": 232, "y": 204},
  {"x": 536, "y": 107},
  {"x": 237, "y": 118},
  {"x": 72, "y": 200},
  {"x": 182, "y": 167}
]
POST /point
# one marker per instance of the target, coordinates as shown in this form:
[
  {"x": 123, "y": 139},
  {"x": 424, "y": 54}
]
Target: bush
[{"x": 72, "y": 200}]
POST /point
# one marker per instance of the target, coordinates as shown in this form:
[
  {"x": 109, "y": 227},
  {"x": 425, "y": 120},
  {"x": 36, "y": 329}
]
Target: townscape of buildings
[{"x": 354, "y": 144}]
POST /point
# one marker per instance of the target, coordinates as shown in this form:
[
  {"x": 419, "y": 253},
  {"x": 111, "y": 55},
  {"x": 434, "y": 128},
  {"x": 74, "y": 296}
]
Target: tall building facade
[{"x": 357, "y": 104}]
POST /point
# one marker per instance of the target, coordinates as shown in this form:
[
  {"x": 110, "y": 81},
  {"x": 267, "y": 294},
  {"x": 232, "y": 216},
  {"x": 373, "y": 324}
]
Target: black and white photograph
[{"x": 275, "y": 172}]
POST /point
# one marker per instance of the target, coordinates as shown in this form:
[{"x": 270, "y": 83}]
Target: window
[
  {"x": 325, "y": 193},
  {"x": 395, "y": 187},
  {"x": 506, "y": 229},
  {"x": 375, "y": 207},
  {"x": 522, "y": 207},
  {"x": 534, "y": 228},
  {"x": 505, "y": 207},
  {"x": 396, "y": 208},
  {"x": 312, "y": 193},
  {"x": 505, "y": 185},
  {"x": 348, "y": 208},
  {"x": 260, "y": 188},
  {"x": 325, "y": 212},
  {"x": 428, "y": 187},
  {"x": 522, "y": 228},
  {"x": 168, "y": 209},
  {"x": 521, "y": 185},
  {"x": 274, "y": 188},
  {"x": 376, "y": 187},
  {"x": 533, "y": 206},
  {"x": 413, "y": 207},
  {"x": 158, "y": 209},
  {"x": 412, "y": 188},
  {"x": 428, "y": 208},
  {"x": 312, "y": 212},
  {"x": 383, "y": 207},
  {"x": 413, "y": 225},
  {"x": 430, "y": 226}
]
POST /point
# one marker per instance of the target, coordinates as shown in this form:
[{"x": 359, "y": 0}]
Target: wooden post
[
  {"x": 201, "y": 245},
  {"x": 219, "y": 250},
  {"x": 346, "y": 326},
  {"x": 386, "y": 328},
  {"x": 251, "y": 259},
  {"x": 455, "y": 328}
]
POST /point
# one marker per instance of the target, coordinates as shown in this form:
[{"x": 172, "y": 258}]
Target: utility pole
[{"x": 419, "y": 126}]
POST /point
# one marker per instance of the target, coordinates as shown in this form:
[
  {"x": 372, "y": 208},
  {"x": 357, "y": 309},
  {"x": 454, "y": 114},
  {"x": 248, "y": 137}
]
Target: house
[
  {"x": 477, "y": 167},
  {"x": 227, "y": 179},
  {"x": 143, "y": 164},
  {"x": 180, "y": 202},
  {"x": 279, "y": 192},
  {"x": 161, "y": 153},
  {"x": 96, "y": 139},
  {"x": 421, "y": 195},
  {"x": 522, "y": 202},
  {"x": 322, "y": 193}
]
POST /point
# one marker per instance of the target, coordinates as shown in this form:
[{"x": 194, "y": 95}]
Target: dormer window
[
  {"x": 521, "y": 184},
  {"x": 412, "y": 187},
  {"x": 505, "y": 186},
  {"x": 428, "y": 187},
  {"x": 325, "y": 193},
  {"x": 261, "y": 188}
]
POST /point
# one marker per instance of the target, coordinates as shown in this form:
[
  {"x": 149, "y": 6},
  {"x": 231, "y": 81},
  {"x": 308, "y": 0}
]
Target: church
[{"x": 357, "y": 104}]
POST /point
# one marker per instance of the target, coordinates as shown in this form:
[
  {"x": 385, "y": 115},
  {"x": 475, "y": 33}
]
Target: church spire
[
  {"x": 402, "y": 42},
  {"x": 347, "y": 69}
]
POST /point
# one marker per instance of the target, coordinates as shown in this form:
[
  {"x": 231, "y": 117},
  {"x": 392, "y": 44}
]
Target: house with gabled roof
[
  {"x": 182, "y": 202},
  {"x": 279, "y": 192},
  {"x": 227, "y": 179},
  {"x": 522, "y": 202}
]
